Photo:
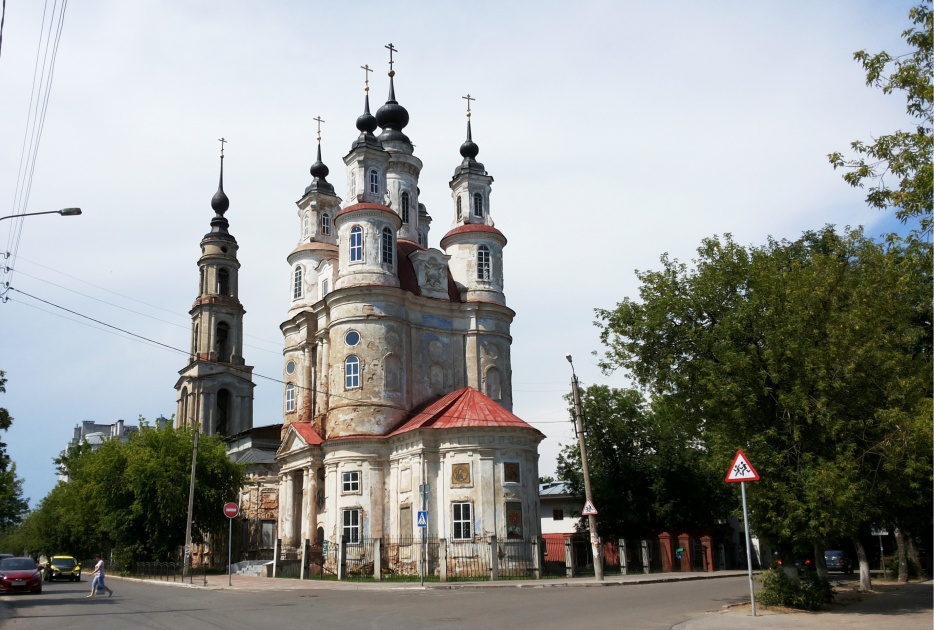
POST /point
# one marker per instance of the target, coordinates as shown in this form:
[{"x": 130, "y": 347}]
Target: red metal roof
[
  {"x": 472, "y": 227},
  {"x": 463, "y": 408},
  {"x": 308, "y": 434},
  {"x": 366, "y": 205}
]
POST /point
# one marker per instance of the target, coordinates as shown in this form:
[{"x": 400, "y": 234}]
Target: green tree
[
  {"x": 810, "y": 355},
  {"x": 13, "y": 507},
  {"x": 904, "y": 156},
  {"x": 648, "y": 471}
]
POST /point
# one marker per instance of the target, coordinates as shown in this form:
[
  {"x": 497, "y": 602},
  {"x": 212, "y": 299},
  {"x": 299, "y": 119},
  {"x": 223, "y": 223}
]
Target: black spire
[
  {"x": 469, "y": 149},
  {"x": 319, "y": 170},
  {"x": 220, "y": 202},
  {"x": 392, "y": 117}
]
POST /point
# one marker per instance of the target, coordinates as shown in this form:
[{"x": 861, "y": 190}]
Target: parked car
[
  {"x": 837, "y": 560},
  {"x": 20, "y": 575},
  {"x": 63, "y": 568}
]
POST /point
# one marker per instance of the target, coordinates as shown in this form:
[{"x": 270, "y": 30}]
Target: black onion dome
[
  {"x": 319, "y": 169},
  {"x": 392, "y": 117},
  {"x": 366, "y": 123},
  {"x": 469, "y": 149},
  {"x": 220, "y": 202}
]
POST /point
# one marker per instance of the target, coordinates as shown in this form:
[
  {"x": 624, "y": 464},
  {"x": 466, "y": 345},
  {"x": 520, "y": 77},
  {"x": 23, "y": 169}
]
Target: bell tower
[{"x": 215, "y": 389}]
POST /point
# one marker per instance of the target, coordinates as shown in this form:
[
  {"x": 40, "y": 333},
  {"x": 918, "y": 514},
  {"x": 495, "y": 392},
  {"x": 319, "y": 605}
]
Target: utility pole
[
  {"x": 186, "y": 564},
  {"x": 591, "y": 518}
]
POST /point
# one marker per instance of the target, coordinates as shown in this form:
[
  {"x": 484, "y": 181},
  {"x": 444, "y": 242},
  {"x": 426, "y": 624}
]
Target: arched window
[
  {"x": 290, "y": 397},
  {"x": 483, "y": 263},
  {"x": 460, "y": 213},
  {"x": 184, "y": 410},
  {"x": 405, "y": 207},
  {"x": 297, "y": 283},
  {"x": 387, "y": 246},
  {"x": 223, "y": 282},
  {"x": 351, "y": 372},
  {"x": 305, "y": 224},
  {"x": 223, "y": 412},
  {"x": 325, "y": 224},
  {"x": 194, "y": 340},
  {"x": 374, "y": 181},
  {"x": 478, "y": 205},
  {"x": 201, "y": 283},
  {"x": 356, "y": 244},
  {"x": 494, "y": 387},
  {"x": 221, "y": 342}
]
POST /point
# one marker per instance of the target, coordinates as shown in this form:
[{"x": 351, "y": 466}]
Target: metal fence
[{"x": 167, "y": 572}]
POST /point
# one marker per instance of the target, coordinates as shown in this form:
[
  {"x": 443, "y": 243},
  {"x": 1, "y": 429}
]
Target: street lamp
[
  {"x": 65, "y": 212},
  {"x": 591, "y": 517}
]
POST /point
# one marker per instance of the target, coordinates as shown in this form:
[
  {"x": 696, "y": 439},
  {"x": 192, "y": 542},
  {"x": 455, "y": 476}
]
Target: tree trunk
[
  {"x": 820, "y": 564},
  {"x": 914, "y": 556},
  {"x": 902, "y": 555},
  {"x": 787, "y": 556},
  {"x": 865, "y": 580}
]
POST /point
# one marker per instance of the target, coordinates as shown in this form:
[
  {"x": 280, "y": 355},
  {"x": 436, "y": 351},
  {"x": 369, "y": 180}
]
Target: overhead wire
[{"x": 147, "y": 340}]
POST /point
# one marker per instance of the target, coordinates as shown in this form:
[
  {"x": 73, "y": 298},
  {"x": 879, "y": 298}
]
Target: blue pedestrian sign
[{"x": 423, "y": 519}]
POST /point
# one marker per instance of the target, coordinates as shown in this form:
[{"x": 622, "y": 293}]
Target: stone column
[
  {"x": 667, "y": 551},
  {"x": 707, "y": 544},
  {"x": 313, "y": 505},
  {"x": 684, "y": 542},
  {"x": 305, "y": 532}
]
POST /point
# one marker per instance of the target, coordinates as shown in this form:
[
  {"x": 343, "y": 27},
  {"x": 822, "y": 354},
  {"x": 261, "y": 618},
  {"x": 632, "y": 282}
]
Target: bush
[
  {"x": 891, "y": 568},
  {"x": 777, "y": 590}
]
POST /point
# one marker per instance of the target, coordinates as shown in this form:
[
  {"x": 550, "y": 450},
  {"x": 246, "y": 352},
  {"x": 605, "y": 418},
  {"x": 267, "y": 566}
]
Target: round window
[
  {"x": 290, "y": 367},
  {"x": 352, "y": 338}
]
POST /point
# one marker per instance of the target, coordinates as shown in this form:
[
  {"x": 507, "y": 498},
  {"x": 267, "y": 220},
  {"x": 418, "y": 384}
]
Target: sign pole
[
  {"x": 229, "y": 546},
  {"x": 752, "y": 592}
]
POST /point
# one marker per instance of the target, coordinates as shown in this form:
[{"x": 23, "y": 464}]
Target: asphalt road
[{"x": 141, "y": 605}]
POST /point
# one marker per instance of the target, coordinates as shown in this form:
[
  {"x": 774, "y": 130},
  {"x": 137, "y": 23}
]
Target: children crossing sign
[
  {"x": 589, "y": 509},
  {"x": 741, "y": 469}
]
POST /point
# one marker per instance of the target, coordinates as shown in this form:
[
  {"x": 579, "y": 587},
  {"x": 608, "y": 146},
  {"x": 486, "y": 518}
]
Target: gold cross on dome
[
  {"x": 367, "y": 70},
  {"x": 468, "y": 98},
  {"x": 392, "y": 49},
  {"x": 319, "y": 121},
  {"x": 223, "y": 142}
]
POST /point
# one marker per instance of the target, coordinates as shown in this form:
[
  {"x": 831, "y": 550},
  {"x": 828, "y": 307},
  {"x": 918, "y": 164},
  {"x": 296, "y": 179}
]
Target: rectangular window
[
  {"x": 324, "y": 288},
  {"x": 356, "y": 244},
  {"x": 513, "y": 520},
  {"x": 297, "y": 284},
  {"x": 351, "y": 529},
  {"x": 290, "y": 397},
  {"x": 511, "y": 472},
  {"x": 374, "y": 182},
  {"x": 268, "y": 534},
  {"x": 405, "y": 522},
  {"x": 557, "y": 515},
  {"x": 460, "y": 517},
  {"x": 351, "y": 481}
]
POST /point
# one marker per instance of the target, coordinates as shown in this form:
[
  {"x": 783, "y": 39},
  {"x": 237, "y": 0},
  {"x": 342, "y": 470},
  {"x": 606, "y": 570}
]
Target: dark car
[
  {"x": 20, "y": 575},
  {"x": 837, "y": 560},
  {"x": 63, "y": 568}
]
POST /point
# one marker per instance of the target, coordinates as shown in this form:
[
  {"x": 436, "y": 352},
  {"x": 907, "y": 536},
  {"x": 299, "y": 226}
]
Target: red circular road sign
[{"x": 231, "y": 510}]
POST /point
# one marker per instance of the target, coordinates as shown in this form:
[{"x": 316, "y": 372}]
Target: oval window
[
  {"x": 290, "y": 367},
  {"x": 352, "y": 338}
]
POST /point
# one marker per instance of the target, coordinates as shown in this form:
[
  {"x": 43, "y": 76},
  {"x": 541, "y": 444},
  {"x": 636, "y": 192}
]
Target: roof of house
[
  {"x": 555, "y": 489},
  {"x": 465, "y": 407}
]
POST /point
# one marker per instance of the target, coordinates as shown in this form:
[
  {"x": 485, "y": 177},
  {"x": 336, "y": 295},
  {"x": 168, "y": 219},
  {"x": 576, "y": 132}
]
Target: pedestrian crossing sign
[
  {"x": 589, "y": 509},
  {"x": 741, "y": 469},
  {"x": 423, "y": 519}
]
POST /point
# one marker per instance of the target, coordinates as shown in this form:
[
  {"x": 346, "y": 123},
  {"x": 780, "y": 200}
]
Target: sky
[{"x": 615, "y": 131}]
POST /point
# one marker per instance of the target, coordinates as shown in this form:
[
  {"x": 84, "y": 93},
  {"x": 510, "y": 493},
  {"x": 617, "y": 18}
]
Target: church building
[{"x": 398, "y": 381}]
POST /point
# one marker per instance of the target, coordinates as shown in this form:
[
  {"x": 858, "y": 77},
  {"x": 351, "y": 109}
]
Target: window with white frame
[
  {"x": 351, "y": 372},
  {"x": 350, "y": 481},
  {"x": 356, "y": 244},
  {"x": 483, "y": 263},
  {"x": 462, "y": 521},
  {"x": 387, "y": 246},
  {"x": 297, "y": 282},
  {"x": 290, "y": 397},
  {"x": 374, "y": 181},
  {"x": 478, "y": 205},
  {"x": 460, "y": 212},
  {"x": 405, "y": 207},
  {"x": 324, "y": 287},
  {"x": 351, "y": 529},
  {"x": 325, "y": 224},
  {"x": 306, "y": 224},
  {"x": 353, "y": 184}
]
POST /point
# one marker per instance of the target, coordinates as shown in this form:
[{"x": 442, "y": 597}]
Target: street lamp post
[
  {"x": 591, "y": 518},
  {"x": 65, "y": 212}
]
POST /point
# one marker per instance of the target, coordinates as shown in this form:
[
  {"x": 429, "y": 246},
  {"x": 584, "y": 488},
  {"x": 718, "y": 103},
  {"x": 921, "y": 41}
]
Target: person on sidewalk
[{"x": 98, "y": 582}]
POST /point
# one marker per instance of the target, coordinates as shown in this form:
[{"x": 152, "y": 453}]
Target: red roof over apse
[
  {"x": 308, "y": 434},
  {"x": 464, "y": 408}
]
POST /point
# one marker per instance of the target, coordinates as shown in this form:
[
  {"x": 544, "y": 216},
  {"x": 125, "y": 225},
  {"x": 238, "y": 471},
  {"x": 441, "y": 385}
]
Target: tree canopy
[
  {"x": 813, "y": 356},
  {"x": 902, "y": 156},
  {"x": 133, "y": 496},
  {"x": 13, "y": 506}
]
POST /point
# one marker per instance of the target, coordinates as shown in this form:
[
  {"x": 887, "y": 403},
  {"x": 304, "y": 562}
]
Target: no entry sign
[{"x": 231, "y": 510}]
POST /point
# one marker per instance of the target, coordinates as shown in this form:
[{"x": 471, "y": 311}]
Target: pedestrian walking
[{"x": 98, "y": 582}]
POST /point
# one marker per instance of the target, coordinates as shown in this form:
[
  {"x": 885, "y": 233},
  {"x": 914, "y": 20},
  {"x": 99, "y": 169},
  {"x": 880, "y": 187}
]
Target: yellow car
[{"x": 63, "y": 568}]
